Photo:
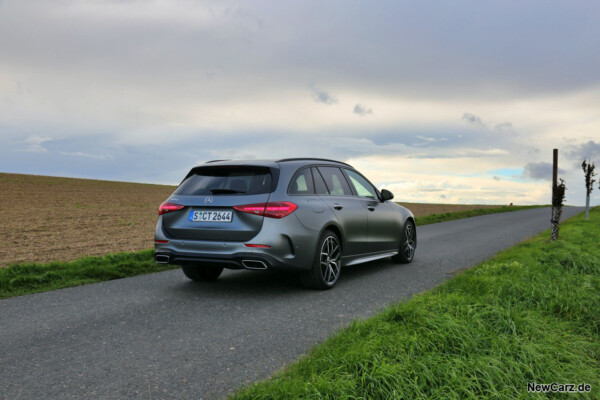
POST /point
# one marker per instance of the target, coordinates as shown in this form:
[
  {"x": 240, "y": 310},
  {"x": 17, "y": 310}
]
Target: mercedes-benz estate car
[{"x": 309, "y": 215}]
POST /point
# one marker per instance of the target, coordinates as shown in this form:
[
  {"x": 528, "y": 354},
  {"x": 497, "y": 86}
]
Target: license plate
[{"x": 211, "y": 216}]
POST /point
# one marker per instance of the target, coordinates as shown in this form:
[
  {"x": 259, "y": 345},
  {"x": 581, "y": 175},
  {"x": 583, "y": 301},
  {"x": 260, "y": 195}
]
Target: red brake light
[
  {"x": 261, "y": 246},
  {"x": 167, "y": 207},
  {"x": 278, "y": 209},
  {"x": 258, "y": 209}
]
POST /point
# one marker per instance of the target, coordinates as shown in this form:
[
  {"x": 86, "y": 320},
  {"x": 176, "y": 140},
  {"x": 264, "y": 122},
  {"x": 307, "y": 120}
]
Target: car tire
[
  {"x": 327, "y": 264},
  {"x": 408, "y": 244},
  {"x": 202, "y": 273}
]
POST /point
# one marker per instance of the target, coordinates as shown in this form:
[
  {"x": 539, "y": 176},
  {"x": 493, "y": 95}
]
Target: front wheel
[
  {"x": 327, "y": 264},
  {"x": 202, "y": 273},
  {"x": 408, "y": 244}
]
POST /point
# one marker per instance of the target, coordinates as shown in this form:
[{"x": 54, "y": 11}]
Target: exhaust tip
[
  {"x": 162, "y": 259},
  {"x": 254, "y": 264}
]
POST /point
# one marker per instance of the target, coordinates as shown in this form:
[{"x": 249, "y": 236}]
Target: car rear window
[{"x": 226, "y": 180}]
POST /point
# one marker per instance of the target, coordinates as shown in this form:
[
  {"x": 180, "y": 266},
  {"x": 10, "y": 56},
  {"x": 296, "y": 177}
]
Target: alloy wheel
[
  {"x": 409, "y": 241},
  {"x": 330, "y": 260}
]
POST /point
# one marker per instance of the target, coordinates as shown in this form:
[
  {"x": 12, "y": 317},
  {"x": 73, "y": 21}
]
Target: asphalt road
[{"x": 161, "y": 336}]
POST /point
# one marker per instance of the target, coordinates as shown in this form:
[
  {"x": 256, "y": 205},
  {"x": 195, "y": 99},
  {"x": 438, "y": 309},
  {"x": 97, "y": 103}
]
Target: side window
[
  {"x": 362, "y": 186},
  {"x": 320, "y": 187},
  {"x": 335, "y": 181},
  {"x": 302, "y": 183}
]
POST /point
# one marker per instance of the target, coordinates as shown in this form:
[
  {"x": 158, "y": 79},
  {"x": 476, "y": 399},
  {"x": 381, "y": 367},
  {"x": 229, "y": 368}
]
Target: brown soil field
[{"x": 46, "y": 219}]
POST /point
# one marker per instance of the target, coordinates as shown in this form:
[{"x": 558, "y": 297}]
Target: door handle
[
  {"x": 370, "y": 208},
  {"x": 337, "y": 206}
]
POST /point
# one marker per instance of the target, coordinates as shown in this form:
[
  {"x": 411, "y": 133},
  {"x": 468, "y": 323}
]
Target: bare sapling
[{"x": 588, "y": 170}]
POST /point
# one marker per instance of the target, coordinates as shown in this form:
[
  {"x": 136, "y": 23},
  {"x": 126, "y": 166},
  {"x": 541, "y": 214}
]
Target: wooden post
[{"x": 555, "y": 206}]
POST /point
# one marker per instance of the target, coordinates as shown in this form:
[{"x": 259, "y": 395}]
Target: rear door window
[
  {"x": 302, "y": 183},
  {"x": 236, "y": 180},
  {"x": 335, "y": 181}
]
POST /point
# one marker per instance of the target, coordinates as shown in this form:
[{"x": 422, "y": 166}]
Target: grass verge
[
  {"x": 435, "y": 218},
  {"x": 20, "y": 279},
  {"x": 530, "y": 314}
]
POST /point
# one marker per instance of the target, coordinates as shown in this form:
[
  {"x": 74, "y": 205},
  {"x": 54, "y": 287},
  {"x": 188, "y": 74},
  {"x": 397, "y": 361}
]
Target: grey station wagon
[{"x": 308, "y": 215}]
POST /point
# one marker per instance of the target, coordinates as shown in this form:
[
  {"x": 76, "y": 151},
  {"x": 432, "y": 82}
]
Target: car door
[
  {"x": 349, "y": 210},
  {"x": 381, "y": 218}
]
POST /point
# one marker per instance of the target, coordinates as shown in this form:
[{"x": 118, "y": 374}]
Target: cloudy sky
[{"x": 454, "y": 102}]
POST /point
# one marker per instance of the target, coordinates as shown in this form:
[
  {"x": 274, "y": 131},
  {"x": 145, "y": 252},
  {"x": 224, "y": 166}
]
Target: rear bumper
[
  {"x": 292, "y": 247},
  {"x": 253, "y": 260}
]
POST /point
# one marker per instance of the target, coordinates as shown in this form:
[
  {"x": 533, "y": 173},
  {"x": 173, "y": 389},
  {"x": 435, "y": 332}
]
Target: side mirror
[{"x": 386, "y": 195}]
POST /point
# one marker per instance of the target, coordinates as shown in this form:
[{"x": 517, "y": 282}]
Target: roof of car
[
  {"x": 260, "y": 163},
  {"x": 312, "y": 159},
  {"x": 302, "y": 160}
]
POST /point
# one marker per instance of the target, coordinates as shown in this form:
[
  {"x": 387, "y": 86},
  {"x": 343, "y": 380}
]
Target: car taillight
[
  {"x": 167, "y": 207},
  {"x": 258, "y": 209},
  {"x": 279, "y": 209},
  {"x": 276, "y": 209}
]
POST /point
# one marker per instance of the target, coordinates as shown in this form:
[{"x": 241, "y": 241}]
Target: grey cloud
[
  {"x": 496, "y": 178},
  {"x": 539, "y": 171},
  {"x": 588, "y": 151},
  {"x": 362, "y": 110},
  {"x": 159, "y": 35},
  {"x": 321, "y": 96},
  {"x": 473, "y": 120}
]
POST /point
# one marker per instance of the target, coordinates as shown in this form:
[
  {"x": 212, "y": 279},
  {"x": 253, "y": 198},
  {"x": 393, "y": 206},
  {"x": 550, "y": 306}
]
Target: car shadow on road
[
  {"x": 276, "y": 283},
  {"x": 245, "y": 283}
]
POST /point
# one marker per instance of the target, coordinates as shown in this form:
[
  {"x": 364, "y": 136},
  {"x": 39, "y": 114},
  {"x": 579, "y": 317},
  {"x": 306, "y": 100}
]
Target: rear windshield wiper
[{"x": 225, "y": 191}]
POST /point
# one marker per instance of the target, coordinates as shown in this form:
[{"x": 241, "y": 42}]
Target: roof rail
[
  {"x": 312, "y": 158},
  {"x": 211, "y": 161}
]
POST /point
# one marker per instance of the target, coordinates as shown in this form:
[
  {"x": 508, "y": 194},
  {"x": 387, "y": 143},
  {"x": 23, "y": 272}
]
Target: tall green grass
[
  {"x": 22, "y": 279},
  {"x": 530, "y": 314}
]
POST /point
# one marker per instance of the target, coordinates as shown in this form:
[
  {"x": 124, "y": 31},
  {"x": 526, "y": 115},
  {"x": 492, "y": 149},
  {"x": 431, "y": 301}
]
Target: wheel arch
[{"x": 335, "y": 229}]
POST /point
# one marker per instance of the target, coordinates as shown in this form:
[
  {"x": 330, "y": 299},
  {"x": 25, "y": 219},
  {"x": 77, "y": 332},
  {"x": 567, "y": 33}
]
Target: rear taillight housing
[
  {"x": 276, "y": 209},
  {"x": 167, "y": 207}
]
